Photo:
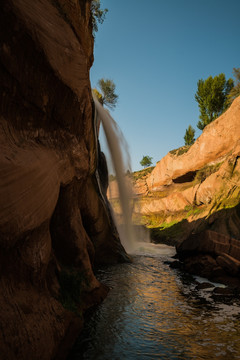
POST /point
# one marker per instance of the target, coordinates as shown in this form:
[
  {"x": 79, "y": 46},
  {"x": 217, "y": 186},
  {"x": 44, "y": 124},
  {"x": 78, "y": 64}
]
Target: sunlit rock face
[
  {"x": 197, "y": 182},
  {"x": 52, "y": 219},
  {"x": 217, "y": 140},
  {"x": 192, "y": 198},
  {"x": 192, "y": 178}
]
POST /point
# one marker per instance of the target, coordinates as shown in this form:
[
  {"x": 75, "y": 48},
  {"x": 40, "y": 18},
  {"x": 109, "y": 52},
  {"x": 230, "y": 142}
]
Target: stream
[{"x": 155, "y": 312}]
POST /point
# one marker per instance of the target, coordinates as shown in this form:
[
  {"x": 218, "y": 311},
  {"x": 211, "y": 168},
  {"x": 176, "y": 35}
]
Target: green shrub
[{"x": 206, "y": 171}]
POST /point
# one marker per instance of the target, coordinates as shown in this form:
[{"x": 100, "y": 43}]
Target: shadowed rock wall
[{"x": 48, "y": 160}]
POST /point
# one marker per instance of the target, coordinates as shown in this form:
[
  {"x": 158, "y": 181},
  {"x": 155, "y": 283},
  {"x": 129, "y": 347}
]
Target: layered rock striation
[
  {"x": 191, "y": 199},
  {"x": 198, "y": 179},
  {"x": 216, "y": 141},
  {"x": 54, "y": 224}
]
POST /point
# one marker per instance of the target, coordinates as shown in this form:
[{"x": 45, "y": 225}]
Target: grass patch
[
  {"x": 169, "y": 233},
  {"x": 206, "y": 171},
  {"x": 229, "y": 203},
  {"x": 166, "y": 225},
  {"x": 153, "y": 220},
  {"x": 193, "y": 210},
  {"x": 226, "y": 200},
  {"x": 159, "y": 220},
  {"x": 142, "y": 173},
  {"x": 181, "y": 150}
]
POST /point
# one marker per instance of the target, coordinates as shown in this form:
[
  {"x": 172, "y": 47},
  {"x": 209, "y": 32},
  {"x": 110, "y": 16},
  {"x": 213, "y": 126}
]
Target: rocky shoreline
[{"x": 212, "y": 256}]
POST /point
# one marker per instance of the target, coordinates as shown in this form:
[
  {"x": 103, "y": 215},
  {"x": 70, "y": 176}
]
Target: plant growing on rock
[
  {"x": 146, "y": 161},
  {"x": 98, "y": 14},
  {"x": 106, "y": 96},
  {"x": 142, "y": 173},
  {"x": 180, "y": 151},
  {"x": 212, "y": 97},
  {"x": 206, "y": 171},
  {"x": 235, "y": 91},
  {"x": 189, "y": 135}
]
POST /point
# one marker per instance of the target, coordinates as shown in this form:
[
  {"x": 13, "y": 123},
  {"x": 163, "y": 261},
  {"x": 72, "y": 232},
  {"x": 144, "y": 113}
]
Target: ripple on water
[{"x": 153, "y": 312}]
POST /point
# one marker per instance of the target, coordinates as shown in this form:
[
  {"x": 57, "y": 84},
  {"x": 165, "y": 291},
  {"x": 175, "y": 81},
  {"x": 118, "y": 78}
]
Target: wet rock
[
  {"x": 176, "y": 264},
  {"x": 211, "y": 255},
  {"x": 227, "y": 291},
  {"x": 228, "y": 263},
  {"x": 209, "y": 242},
  {"x": 202, "y": 265},
  {"x": 204, "y": 285},
  {"x": 218, "y": 273},
  {"x": 226, "y": 294}
]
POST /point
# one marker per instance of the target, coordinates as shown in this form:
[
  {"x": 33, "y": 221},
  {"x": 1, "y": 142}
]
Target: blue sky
[{"x": 155, "y": 51}]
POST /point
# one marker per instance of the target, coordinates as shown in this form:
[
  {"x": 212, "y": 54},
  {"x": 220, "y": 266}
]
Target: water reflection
[{"x": 153, "y": 313}]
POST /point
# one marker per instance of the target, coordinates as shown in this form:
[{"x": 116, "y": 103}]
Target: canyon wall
[
  {"x": 215, "y": 142},
  {"x": 54, "y": 225},
  {"x": 192, "y": 188},
  {"x": 195, "y": 182},
  {"x": 191, "y": 199}
]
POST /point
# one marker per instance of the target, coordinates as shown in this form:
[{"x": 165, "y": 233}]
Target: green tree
[
  {"x": 212, "y": 98},
  {"x": 106, "y": 96},
  {"x": 98, "y": 14},
  {"x": 189, "y": 135},
  {"x": 235, "y": 91},
  {"x": 146, "y": 161}
]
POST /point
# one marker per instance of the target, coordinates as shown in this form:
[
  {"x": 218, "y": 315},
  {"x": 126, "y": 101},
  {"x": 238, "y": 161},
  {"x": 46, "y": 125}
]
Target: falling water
[
  {"x": 114, "y": 138},
  {"x": 153, "y": 311}
]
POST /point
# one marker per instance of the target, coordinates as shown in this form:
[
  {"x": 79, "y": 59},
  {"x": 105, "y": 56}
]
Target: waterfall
[{"x": 114, "y": 139}]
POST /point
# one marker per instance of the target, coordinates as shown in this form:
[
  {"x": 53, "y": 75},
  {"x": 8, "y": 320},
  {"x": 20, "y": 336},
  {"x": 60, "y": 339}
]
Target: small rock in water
[
  {"x": 204, "y": 285},
  {"x": 175, "y": 264},
  {"x": 227, "y": 291}
]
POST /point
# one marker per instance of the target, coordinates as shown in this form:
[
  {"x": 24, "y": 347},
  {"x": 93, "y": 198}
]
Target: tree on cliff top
[
  {"x": 98, "y": 15},
  {"x": 106, "y": 96},
  {"x": 146, "y": 161},
  {"x": 235, "y": 91},
  {"x": 212, "y": 97},
  {"x": 189, "y": 136}
]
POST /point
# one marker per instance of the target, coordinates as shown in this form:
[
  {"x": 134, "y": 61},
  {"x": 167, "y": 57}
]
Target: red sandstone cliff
[
  {"x": 206, "y": 174},
  {"x": 216, "y": 141},
  {"x": 192, "y": 199},
  {"x": 52, "y": 221}
]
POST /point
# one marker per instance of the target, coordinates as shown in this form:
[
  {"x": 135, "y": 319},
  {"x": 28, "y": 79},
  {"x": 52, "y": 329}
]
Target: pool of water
[{"x": 154, "y": 312}]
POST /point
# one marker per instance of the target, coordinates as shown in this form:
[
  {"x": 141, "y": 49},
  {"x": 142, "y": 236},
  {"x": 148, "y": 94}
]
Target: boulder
[
  {"x": 204, "y": 285},
  {"x": 211, "y": 255},
  {"x": 209, "y": 242},
  {"x": 229, "y": 264},
  {"x": 202, "y": 264}
]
